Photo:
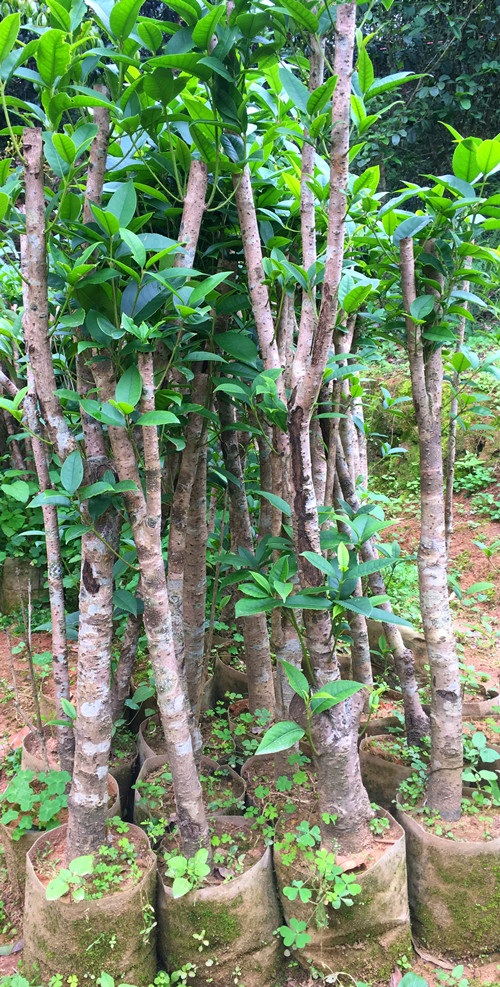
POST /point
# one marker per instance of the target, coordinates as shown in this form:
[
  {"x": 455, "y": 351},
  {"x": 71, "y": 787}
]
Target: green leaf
[
  {"x": 280, "y": 737},
  {"x": 319, "y": 562},
  {"x": 200, "y": 291},
  {"x": 122, "y": 203},
  {"x": 238, "y": 345},
  {"x": 410, "y": 227},
  {"x": 422, "y": 306},
  {"x": 64, "y": 147},
  {"x": 151, "y": 35},
  {"x": 18, "y": 489},
  {"x": 248, "y": 608},
  {"x": 82, "y": 865},
  {"x": 72, "y": 472},
  {"x": 275, "y": 501},
  {"x": 158, "y": 418},
  {"x": 488, "y": 156},
  {"x": 205, "y": 27},
  {"x": 296, "y": 678},
  {"x": 56, "y": 888},
  {"x": 60, "y": 15},
  {"x": 123, "y": 17},
  {"x": 137, "y": 247},
  {"x": 388, "y": 617},
  {"x": 412, "y": 980},
  {"x": 333, "y": 693},
  {"x": 318, "y": 99},
  {"x": 9, "y": 29},
  {"x": 125, "y": 600},
  {"x": 366, "y": 74},
  {"x": 180, "y": 887},
  {"x": 68, "y": 708},
  {"x": 464, "y": 159},
  {"x": 390, "y": 82},
  {"x": 129, "y": 388},
  {"x": 343, "y": 557},
  {"x": 355, "y": 298},
  {"x": 294, "y": 88},
  {"x": 52, "y": 56},
  {"x": 304, "y": 17}
]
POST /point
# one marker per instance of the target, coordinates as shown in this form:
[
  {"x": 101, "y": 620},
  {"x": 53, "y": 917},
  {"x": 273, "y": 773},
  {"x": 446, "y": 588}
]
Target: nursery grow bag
[
  {"x": 238, "y": 918},
  {"x": 144, "y": 748},
  {"x": 141, "y": 811},
  {"x": 381, "y": 777},
  {"x": 86, "y": 937},
  {"x": 227, "y": 678},
  {"x": 379, "y": 725},
  {"x": 368, "y": 939},
  {"x": 453, "y": 889},
  {"x": 31, "y": 759},
  {"x": 16, "y": 850},
  {"x": 122, "y": 770}
]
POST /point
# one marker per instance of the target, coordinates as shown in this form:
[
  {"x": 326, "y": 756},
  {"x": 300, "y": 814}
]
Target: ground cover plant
[{"x": 249, "y": 440}]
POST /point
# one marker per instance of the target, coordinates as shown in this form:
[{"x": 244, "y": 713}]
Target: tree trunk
[
  {"x": 452, "y": 429},
  {"x": 88, "y": 797},
  {"x": 256, "y": 637},
  {"x": 128, "y": 651},
  {"x": 145, "y": 518},
  {"x": 195, "y": 582},
  {"x": 426, "y": 369},
  {"x": 36, "y": 318},
  {"x": 416, "y": 721}
]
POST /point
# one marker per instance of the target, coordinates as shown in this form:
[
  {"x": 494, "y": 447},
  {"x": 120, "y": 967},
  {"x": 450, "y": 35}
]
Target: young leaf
[
  {"x": 280, "y": 737},
  {"x": 296, "y": 678},
  {"x": 123, "y": 17},
  {"x": 333, "y": 693},
  {"x": 488, "y": 156},
  {"x": 9, "y": 29},
  {"x": 137, "y": 247},
  {"x": 72, "y": 472},
  {"x": 82, "y": 865},
  {"x": 205, "y": 27},
  {"x": 129, "y": 388},
  {"x": 304, "y": 16},
  {"x": 366, "y": 74},
  {"x": 180, "y": 887},
  {"x": 68, "y": 708},
  {"x": 158, "y": 418},
  {"x": 52, "y": 56},
  {"x": 56, "y": 888}
]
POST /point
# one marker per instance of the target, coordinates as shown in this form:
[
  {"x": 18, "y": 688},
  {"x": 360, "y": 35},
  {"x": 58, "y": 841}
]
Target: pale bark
[
  {"x": 341, "y": 789},
  {"x": 97, "y": 158},
  {"x": 416, "y": 721},
  {"x": 195, "y": 582},
  {"x": 256, "y": 637},
  {"x": 88, "y": 798},
  {"x": 145, "y": 518},
  {"x": 36, "y": 317},
  {"x": 179, "y": 517},
  {"x": 123, "y": 674},
  {"x": 426, "y": 369},
  {"x": 65, "y": 735},
  {"x": 192, "y": 213},
  {"x": 452, "y": 428},
  {"x": 35, "y": 292},
  {"x": 266, "y": 480}
]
